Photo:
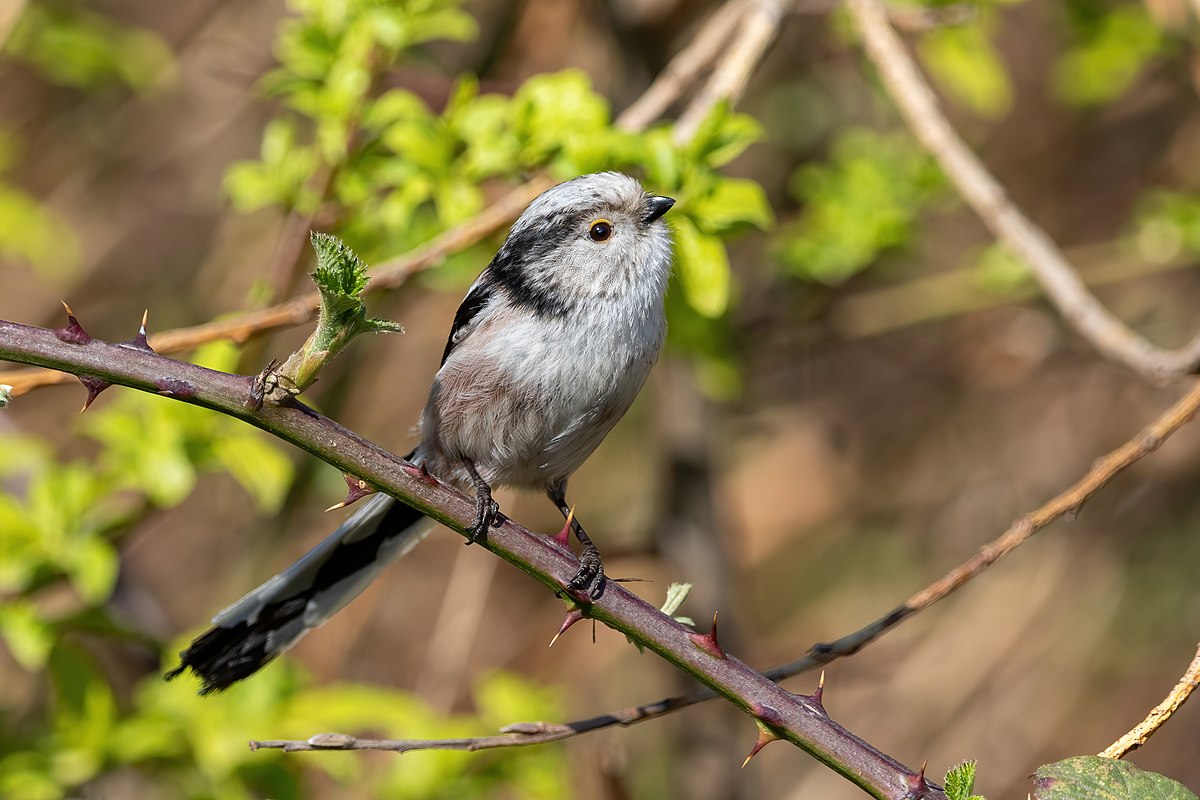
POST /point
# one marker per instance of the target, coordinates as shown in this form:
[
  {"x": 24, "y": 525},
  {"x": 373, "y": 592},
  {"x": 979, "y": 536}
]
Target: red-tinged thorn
[
  {"x": 357, "y": 489},
  {"x": 819, "y": 694},
  {"x": 563, "y": 537},
  {"x": 765, "y": 737},
  {"x": 72, "y": 332},
  {"x": 139, "y": 342},
  {"x": 708, "y": 641},
  {"x": 421, "y": 471},
  {"x": 573, "y": 616},
  {"x": 94, "y": 387},
  {"x": 917, "y": 783}
]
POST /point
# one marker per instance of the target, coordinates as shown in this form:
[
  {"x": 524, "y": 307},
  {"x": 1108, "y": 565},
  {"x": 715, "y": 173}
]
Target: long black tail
[{"x": 270, "y": 619}]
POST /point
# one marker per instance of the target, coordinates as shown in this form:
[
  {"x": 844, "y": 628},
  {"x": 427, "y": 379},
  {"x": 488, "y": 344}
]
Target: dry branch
[
  {"x": 1019, "y": 235},
  {"x": 1158, "y": 715}
]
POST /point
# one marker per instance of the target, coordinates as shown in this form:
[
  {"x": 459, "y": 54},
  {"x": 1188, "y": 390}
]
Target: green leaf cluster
[
  {"x": 63, "y": 520},
  {"x": 29, "y": 231},
  {"x": 80, "y": 48},
  {"x": 1112, "y": 47},
  {"x": 182, "y": 748},
  {"x": 960, "y": 782},
  {"x": 865, "y": 201},
  {"x": 341, "y": 277},
  {"x": 964, "y": 63}
]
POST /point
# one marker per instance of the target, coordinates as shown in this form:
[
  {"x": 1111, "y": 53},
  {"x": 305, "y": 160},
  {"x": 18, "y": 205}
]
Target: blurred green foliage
[
  {"x": 1111, "y": 47},
  {"x": 77, "y": 47},
  {"x": 29, "y": 231},
  {"x": 865, "y": 201},
  {"x": 964, "y": 62}
]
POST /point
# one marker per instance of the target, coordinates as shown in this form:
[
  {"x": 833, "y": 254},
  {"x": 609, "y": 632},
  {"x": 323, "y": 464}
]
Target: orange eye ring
[{"x": 600, "y": 230}]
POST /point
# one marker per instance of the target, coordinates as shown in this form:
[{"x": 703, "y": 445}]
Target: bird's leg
[
  {"x": 487, "y": 510},
  {"x": 590, "y": 576}
]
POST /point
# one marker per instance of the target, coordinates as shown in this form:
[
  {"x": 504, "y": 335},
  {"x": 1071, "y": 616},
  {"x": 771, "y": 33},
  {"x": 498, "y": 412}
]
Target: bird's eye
[{"x": 600, "y": 231}]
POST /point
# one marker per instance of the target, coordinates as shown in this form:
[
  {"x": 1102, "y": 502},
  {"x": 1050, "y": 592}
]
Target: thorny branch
[
  {"x": 1020, "y": 235},
  {"x": 1158, "y": 715},
  {"x": 1022, "y": 530},
  {"x": 777, "y": 713},
  {"x": 674, "y": 80}
]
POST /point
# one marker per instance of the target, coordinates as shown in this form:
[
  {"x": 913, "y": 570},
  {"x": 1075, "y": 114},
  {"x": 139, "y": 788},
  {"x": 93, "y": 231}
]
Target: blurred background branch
[{"x": 1011, "y": 226}]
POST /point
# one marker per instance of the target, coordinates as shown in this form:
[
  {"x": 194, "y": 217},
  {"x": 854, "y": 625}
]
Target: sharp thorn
[
  {"x": 94, "y": 387},
  {"x": 708, "y": 641},
  {"x": 563, "y": 537},
  {"x": 765, "y": 737},
  {"x": 72, "y": 332},
  {"x": 573, "y": 616},
  {"x": 356, "y": 489}
]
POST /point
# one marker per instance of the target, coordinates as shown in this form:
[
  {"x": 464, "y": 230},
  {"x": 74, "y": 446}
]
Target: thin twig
[
  {"x": 757, "y": 29},
  {"x": 685, "y": 68},
  {"x": 1158, "y": 715},
  {"x": 1020, "y": 235},
  {"x": 1102, "y": 471},
  {"x": 395, "y": 271}
]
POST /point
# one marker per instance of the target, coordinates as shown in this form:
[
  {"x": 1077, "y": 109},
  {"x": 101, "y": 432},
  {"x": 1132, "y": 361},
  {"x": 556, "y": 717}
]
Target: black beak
[{"x": 656, "y": 206}]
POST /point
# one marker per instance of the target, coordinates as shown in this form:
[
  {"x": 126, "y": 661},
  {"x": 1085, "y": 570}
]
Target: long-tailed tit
[{"x": 547, "y": 351}]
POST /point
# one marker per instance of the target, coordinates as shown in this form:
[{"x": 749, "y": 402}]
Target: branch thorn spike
[
  {"x": 819, "y": 694},
  {"x": 356, "y": 489},
  {"x": 917, "y": 784},
  {"x": 708, "y": 641},
  {"x": 420, "y": 470},
  {"x": 765, "y": 737},
  {"x": 563, "y": 537},
  {"x": 72, "y": 332},
  {"x": 139, "y": 342},
  {"x": 573, "y": 616},
  {"x": 94, "y": 387}
]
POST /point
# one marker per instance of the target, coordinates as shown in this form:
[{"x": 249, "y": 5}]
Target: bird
[{"x": 547, "y": 351}]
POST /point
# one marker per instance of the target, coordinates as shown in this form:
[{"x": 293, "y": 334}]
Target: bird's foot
[{"x": 590, "y": 577}]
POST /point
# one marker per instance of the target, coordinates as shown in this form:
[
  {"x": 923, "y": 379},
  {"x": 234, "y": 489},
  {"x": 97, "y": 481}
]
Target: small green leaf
[
  {"x": 960, "y": 782},
  {"x": 1110, "y": 56},
  {"x": 703, "y": 269},
  {"x": 732, "y": 201},
  {"x": 92, "y": 565},
  {"x": 341, "y": 275},
  {"x": 964, "y": 62},
  {"x": 676, "y": 594},
  {"x": 28, "y": 637},
  {"x": 1096, "y": 778}
]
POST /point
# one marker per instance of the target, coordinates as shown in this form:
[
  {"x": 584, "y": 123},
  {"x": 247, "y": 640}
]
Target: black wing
[{"x": 477, "y": 298}]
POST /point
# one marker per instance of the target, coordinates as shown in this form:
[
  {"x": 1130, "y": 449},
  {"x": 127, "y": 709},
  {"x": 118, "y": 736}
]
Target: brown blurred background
[{"x": 862, "y": 457}]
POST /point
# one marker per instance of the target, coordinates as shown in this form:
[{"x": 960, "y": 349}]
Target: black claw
[
  {"x": 487, "y": 510},
  {"x": 590, "y": 576}
]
